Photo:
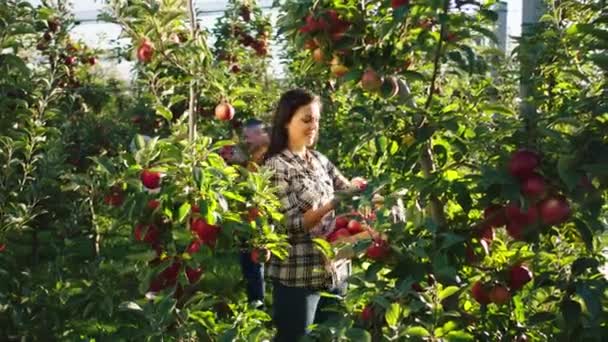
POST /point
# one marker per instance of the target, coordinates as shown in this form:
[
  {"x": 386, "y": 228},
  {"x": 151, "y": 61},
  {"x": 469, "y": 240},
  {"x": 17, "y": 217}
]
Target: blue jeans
[
  {"x": 254, "y": 277},
  {"x": 295, "y": 308}
]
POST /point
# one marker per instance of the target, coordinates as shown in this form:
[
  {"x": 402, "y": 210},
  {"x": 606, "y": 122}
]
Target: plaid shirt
[{"x": 303, "y": 185}]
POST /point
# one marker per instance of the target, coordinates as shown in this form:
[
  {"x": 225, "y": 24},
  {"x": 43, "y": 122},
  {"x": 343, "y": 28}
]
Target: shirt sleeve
[
  {"x": 340, "y": 182},
  {"x": 290, "y": 205}
]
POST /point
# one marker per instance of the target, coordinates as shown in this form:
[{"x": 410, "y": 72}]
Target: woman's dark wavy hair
[{"x": 288, "y": 105}]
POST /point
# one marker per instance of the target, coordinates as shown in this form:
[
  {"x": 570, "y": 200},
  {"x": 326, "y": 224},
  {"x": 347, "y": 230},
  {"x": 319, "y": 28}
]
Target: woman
[{"x": 306, "y": 182}]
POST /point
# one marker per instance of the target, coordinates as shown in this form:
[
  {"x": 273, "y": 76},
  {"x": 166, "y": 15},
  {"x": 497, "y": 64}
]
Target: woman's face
[{"x": 303, "y": 128}]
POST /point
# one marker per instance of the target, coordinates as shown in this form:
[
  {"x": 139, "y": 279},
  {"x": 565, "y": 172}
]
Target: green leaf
[
  {"x": 357, "y": 334},
  {"x": 590, "y": 296},
  {"x": 571, "y": 311},
  {"x": 229, "y": 335},
  {"x": 394, "y": 147},
  {"x": 463, "y": 196},
  {"x": 353, "y": 75},
  {"x": 600, "y": 59},
  {"x": 324, "y": 247},
  {"x": 493, "y": 108},
  {"x": 485, "y": 32},
  {"x": 143, "y": 256},
  {"x": 585, "y": 233},
  {"x": 413, "y": 75},
  {"x": 541, "y": 317},
  {"x": 164, "y": 112},
  {"x": 489, "y": 14},
  {"x": 599, "y": 169},
  {"x": 184, "y": 211},
  {"x": 417, "y": 331},
  {"x": 371, "y": 274},
  {"x": 580, "y": 265},
  {"x": 392, "y": 314},
  {"x": 181, "y": 235},
  {"x": 450, "y": 239},
  {"x": 459, "y": 335},
  {"x": 566, "y": 172},
  {"x": 448, "y": 291},
  {"x": 600, "y": 34},
  {"x": 14, "y": 62}
]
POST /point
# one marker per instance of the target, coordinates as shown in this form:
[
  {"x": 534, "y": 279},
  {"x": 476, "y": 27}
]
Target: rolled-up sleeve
[
  {"x": 290, "y": 205},
  {"x": 340, "y": 182}
]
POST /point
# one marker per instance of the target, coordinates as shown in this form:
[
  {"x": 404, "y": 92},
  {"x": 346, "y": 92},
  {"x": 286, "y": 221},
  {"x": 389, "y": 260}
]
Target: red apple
[
  {"x": 2, "y": 247},
  {"x": 516, "y": 214},
  {"x": 70, "y": 60},
  {"x": 417, "y": 287},
  {"x": 451, "y": 37},
  {"x": 399, "y": 3},
  {"x": 515, "y": 230},
  {"x": 54, "y": 25},
  {"x": 151, "y": 233},
  {"x": 310, "y": 44},
  {"x": 426, "y": 24},
  {"x": 170, "y": 273},
  {"x": 341, "y": 222},
  {"x": 359, "y": 182},
  {"x": 317, "y": 55},
  {"x": 150, "y": 179},
  {"x": 224, "y": 111},
  {"x": 207, "y": 233},
  {"x": 370, "y": 81},
  {"x": 486, "y": 233},
  {"x": 309, "y": 26},
  {"x": 115, "y": 198},
  {"x": 235, "y": 68},
  {"x": 92, "y": 60},
  {"x": 499, "y": 294},
  {"x": 519, "y": 276},
  {"x": 194, "y": 247},
  {"x": 494, "y": 215},
  {"x": 193, "y": 274},
  {"x": 379, "y": 250},
  {"x": 367, "y": 314},
  {"x": 145, "y": 51},
  {"x": 252, "y": 214},
  {"x": 354, "y": 227},
  {"x": 260, "y": 255},
  {"x": 534, "y": 186},
  {"x": 245, "y": 13},
  {"x": 338, "y": 234},
  {"x": 523, "y": 163},
  {"x": 479, "y": 293},
  {"x": 157, "y": 284},
  {"x": 470, "y": 255},
  {"x": 153, "y": 204},
  {"x": 554, "y": 210},
  {"x": 42, "y": 45}
]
